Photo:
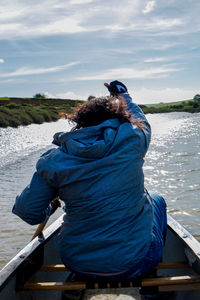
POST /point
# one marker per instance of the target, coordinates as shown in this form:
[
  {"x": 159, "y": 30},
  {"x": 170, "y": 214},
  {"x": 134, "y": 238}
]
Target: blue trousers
[{"x": 154, "y": 253}]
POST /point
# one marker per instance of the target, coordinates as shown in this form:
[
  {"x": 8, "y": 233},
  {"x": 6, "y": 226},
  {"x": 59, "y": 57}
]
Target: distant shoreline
[
  {"x": 24, "y": 111},
  {"x": 190, "y": 106}
]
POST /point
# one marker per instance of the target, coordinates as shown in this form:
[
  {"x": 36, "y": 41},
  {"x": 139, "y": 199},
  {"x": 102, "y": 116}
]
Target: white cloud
[
  {"x": 25, "y": 19},
  {"x": 155, "y": 59},
  {"x": 70, "y": 95},
  {"x": 1, "y": 60},
  {"x": 149, "y": 7},
  {"x": 66, "y": 95},
  {"x": 140, "y": 96},
  {"x": 35, "y": 71},
  {"x": 148, "y": 95},
  {"x": 147, "y": 27},
  {"x": 9, "y": 28},
  {"x": 164, "y": 46},
  {"x": 66, "y": 25},
  {"x": 74, "y": 2},
  {"x": 49, "y": 95},
  {"x": 6, "y": 14},
  {"x": 163, "y": 23},
  {"x": 168, "y": 23},
  {"x": 125, "y": 73}
]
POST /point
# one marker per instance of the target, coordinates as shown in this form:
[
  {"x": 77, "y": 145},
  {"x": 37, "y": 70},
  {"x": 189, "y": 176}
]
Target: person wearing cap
[
  {"x": 116, "y": 87},
  {"x": 112, "y": 227}
]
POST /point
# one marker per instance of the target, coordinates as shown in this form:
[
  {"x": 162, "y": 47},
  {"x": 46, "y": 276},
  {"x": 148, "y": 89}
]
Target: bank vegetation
[
  {"x": 19, "y": 111},
  {"x": 24, "y": 111}
]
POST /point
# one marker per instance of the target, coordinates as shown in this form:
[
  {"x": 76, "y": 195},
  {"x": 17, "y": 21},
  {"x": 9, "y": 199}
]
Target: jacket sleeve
[
  {"x": 138, "y": 113},
  {"x": 33, "y": 205}
]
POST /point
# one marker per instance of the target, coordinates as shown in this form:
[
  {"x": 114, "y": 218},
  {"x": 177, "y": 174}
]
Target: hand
[
  {"x": 55, "y": 203},
  {"x": 109, "y": 89},
  {"x": 116, "y": 88}
]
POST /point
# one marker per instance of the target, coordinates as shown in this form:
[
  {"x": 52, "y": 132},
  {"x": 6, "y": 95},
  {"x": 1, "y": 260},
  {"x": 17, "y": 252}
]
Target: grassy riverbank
[
  {"x": 15, "y": 113},
  {"x": 24, "y": 111},
  {"x": 179, "y": 106}
]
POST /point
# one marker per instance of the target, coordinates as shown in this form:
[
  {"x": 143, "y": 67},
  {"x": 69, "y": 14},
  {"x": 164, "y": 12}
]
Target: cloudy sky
[{"x": 69, "y": 48}]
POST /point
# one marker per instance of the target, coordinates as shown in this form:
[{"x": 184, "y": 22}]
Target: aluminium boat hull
[{"x": 180, "y": 246}]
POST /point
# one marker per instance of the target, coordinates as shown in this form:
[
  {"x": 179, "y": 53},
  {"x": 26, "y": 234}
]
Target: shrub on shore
[
  {"x": 180, "y": 106},
  {"x": 15, "y": 115},
  {"x": 4, "y": 98}
]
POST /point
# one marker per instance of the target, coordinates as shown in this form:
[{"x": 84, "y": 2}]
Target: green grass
[
  {"x": 163, "y": 104},
  {"x": 4, "y": 98},
  {"x": 14, "y": 114},
  {"x": 181, "y": 106}
]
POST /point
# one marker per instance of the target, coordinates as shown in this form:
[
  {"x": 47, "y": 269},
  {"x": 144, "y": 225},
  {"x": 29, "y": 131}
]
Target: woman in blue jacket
[{"x": 112, "y": 226}]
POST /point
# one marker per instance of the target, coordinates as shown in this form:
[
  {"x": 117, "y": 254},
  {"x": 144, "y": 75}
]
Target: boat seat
[
  {"x": 162, "y": 265},
  {"x": 173, "y": 283}
]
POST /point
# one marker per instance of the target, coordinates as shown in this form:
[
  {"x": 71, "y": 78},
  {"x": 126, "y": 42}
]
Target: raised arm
[{"x": 119, "y": 90}]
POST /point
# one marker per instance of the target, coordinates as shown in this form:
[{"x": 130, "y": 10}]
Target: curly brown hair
[{"x": 101, "y": 109}]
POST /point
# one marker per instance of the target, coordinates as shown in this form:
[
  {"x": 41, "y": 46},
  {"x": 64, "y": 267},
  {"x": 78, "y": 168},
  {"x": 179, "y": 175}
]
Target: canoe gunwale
[
  {"x": 9, "y": 271},
  {"x": 16, "y": 262},
  {"x": 192, "y": 246}
]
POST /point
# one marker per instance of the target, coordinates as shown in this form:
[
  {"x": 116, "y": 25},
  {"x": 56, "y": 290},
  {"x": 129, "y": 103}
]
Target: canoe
[{"x": 37, "y": 272}]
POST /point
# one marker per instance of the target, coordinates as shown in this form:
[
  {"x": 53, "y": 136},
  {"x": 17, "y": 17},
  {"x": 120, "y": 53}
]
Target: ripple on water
[{"x": 22, "y": 141}]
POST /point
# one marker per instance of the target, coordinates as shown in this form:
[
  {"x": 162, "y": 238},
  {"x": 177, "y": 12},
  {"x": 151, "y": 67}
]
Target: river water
[{"x": 172, "y": 168}]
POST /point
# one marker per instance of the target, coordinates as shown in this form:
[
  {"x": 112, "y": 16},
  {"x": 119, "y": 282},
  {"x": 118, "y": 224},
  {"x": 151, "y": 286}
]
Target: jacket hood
[{"x": 89, "y": 142}]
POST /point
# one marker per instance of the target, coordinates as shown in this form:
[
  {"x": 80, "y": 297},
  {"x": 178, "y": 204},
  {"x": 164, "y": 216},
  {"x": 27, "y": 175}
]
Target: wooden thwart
[
  {"x": 163, "y": 265},
  {"x": 54, "y": 286},
  {"x": 174, "y": 283},
  {"x": 179, "y": 287},
  {"x": 172, "y": 265},
  {"x": 53, "y": 268},
  {"x": 163, "y": 283},
  {"x": 179, "y": 280}
]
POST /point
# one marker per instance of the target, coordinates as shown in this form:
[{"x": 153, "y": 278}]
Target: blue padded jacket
[{"x": 97, "y": 172}]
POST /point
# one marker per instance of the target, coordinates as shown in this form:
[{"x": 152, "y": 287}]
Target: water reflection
[
  {"x": 172, "y": 166},
  {"x": 20, "y": 142}
]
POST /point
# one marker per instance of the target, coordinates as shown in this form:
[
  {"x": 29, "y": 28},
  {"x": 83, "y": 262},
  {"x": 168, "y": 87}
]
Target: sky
[{"x": 69, "y": 48}]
